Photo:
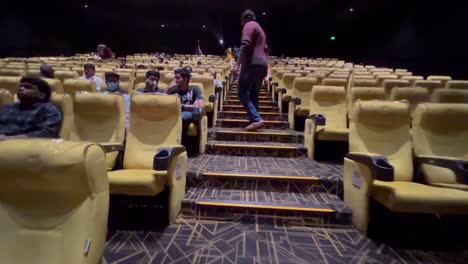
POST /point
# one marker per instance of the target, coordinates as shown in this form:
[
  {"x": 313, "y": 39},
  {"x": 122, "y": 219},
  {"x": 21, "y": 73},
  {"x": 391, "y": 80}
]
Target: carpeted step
[
  {"x": 241, "y": 123},
  {"x": 262, "y": 149},
  {"x": 264, "y": 135},
  {"x": 260, "y": 102},
  {"x": 320, "y": 209},
  {"x": 242, "y": 114},
  {"x": 262, "y": 108}
]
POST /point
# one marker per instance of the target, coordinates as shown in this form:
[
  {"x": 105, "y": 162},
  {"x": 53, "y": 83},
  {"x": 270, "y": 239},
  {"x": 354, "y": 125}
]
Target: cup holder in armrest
[
  {"x": 196, "y": 115},
  {"x": 211, "y": 98},
  {"x": 384, "y": 170},
  {"x": 161, "y": 160},
  {"x": 297, "y": 100},
  {"x": 318, "y": 119}
]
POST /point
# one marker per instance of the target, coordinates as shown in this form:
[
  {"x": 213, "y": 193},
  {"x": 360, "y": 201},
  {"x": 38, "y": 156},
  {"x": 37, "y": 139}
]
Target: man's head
[
  {"x": 47, "y": 71},
  {"x": 247, "y": 16},
  {"x": 188, "y": 68},
  {"x": 141, "y": 66},
  {"x": 199, "y": 63},
  {"x": 182, "y": 77},
  {"x": 152, "y": 79},
  {"x": 112, "y": 81},
  {"x": 89, "y": 70},
  {"x": 32, "y": 90}
]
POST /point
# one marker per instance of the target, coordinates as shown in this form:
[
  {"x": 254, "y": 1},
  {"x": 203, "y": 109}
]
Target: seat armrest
[
  {"x": 197, "y": 115},
  {"x": 459, "y": 167},
  {"x": 111, "y": 147},
  {"x": 218, "y": 89},
  {"x": 212, "y": 98},
  {"x": 318, "y": 119},
  {"x": 165, "y": 155},
  {"x": 379, "y": 166},
  {"x": 282, "y": 90},
  {"x": 274, "y": 84},
  {"x": 296, "y": 100},
  {"x": 224, "y": 83}
]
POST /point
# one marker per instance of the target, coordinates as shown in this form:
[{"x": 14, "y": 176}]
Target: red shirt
[{"x": 254, "y": 49}]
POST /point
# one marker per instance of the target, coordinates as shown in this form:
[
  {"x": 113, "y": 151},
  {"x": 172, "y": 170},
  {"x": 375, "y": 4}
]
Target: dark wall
[{"x": 426, "y": 38}]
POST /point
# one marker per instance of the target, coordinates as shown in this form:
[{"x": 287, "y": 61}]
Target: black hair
[
  {"x": 199, "y": 63},
  {"x": 248, "y": 14},
  {"x": 160, "y": 68},
  {"x": 153, "y": 73},
  {"x": 41, "y": 85},
  {"x": 89, "y": 66},
  {"x": 141, "y": 66},
  {"x": 188, "y": 68},
  {"x": 184, "y": 73},
  {"x": 112, "y": 74},
  {"x": 47, "y": 71}
]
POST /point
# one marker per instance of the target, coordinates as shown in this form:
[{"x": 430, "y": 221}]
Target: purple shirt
[{"x": 254, "y": 48}]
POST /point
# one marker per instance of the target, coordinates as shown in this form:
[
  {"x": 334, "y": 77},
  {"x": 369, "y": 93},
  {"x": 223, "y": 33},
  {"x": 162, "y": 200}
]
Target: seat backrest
[
  {"x": 457, "y": 84},
  {"x": 66, "y": 209},
  {"x": 155, "y": 121},
  {"x": 100, "y": 118},
  {"x": 329, "y": 101},
  {"x": 319, "y": 76},
  {"x": 208, "y": 84},
  {"x": 364, "y": 94},
  {"x": 383, "y": 77},
  {"x": 288, "y": 80},
  {"x": 388, "y": 85},
  {"x": 440, "y": 130},
  {"x": 12, "y": 72},
  {"x": 64, "y": 103},
  {"x": 167, "y": 78},
  {"x": 65, "y": 75},
  {"x": 10, "y": 83},
  {"x": 429, "y": 85},
  {"x": 412, "y": 79},
  {"x": 55, "y": 85},
  {"x": 73, "y": 86},
  {"x": 414, "y": 95},
  {"x": 364, "y": 83},
  {"x": 442, "y": 79},
  {"x": 450, "y": 96},
  {"x": 34, "y": 73},
  {"x": 302, "y": 88},
  {"x": 334, "y": 82},
  {"x": 383, "y": 128},
  {"x": 6, "y": 98}
]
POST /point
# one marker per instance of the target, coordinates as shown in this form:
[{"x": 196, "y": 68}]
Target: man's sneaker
[{"x": 255, "y": 126}]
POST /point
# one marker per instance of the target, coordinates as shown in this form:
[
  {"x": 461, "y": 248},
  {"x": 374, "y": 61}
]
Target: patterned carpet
[{"x": 193, "y": 241}]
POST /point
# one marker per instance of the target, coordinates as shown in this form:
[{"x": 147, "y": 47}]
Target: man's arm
[
  {"x": 246, "y": 45},
  {"x": 199, "y": 101},
  {"x": 49, "y": 124}
]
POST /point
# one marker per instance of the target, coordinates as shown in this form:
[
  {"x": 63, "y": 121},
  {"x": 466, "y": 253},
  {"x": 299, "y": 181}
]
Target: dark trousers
[{"x": 250, "y": 82}]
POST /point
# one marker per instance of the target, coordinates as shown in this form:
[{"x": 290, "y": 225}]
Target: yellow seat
[
  {"x": 55, "y": 85},
  {"x": 429, "y": 85},
  {"x": 450, "y": 96},
  {"x": 10, "y": 83},
  {"x": 65, "y": 75},
  {"x": 389, "y": 85},
  {"x": 210, "y": 98},
  {"x": 381, "y": 78},
  {"x": 380, "y": 166},
  {"x": 364, "y": 94},
  {"x": 64, "y": 102},
  {"x": 335, "y": 82},
  {"x": 99, "y": 118},
  {"x": 442, "y": 79},
  {"x": 413, "y": 95},
  {"x": 285, "y": 92},
  {"x": 440, "y": 131},
  {"x": 155, "y": 124},
  {"x": 54, "y": 202},
  {"x": 74, "y": 86},
  {"x": 302, "y": 89},
  {"x": 6, "y": 98},
  {"x": 12, "y": 72},
  {"x": 457, "y": 84},
  {"x": 412, "y": 79},
  {"x": 327, "y": 103}
]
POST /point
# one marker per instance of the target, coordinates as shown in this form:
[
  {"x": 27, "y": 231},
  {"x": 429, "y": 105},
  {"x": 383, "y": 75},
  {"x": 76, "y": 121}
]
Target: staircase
[{"x": 263, "y": 176}]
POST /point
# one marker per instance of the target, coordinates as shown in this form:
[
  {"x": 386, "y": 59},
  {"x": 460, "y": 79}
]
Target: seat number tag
[
  {"x": 178, "y": 169},
  {"x": 356, "y": 179},
  {"x": 87, "y": 246},
  {"x": 309, "y": 129}
]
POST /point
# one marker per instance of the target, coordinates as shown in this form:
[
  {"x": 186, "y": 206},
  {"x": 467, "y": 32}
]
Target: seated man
[
  {"x": 151, "y": 84},
  {"x": 90, "y": 74},
  {"x": 190, "y": 96},
  {"x": 173, "y": 83},
  {"x": 112, "y": 82},
  {"x": 47, "y": 71},
  {"x": 33, "y": 116}
]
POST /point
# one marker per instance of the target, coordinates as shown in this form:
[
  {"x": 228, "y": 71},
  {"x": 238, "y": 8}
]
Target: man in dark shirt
[
  {"x": 33, "y": 116},
  {"x": 47, "y": 71},
  {"x": 191, "y": 96},
  {"x": 151, "y": 84},
  {"x": 253, "y": 58}
]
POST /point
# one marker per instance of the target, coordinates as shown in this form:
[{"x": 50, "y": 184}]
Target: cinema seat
[
  {"x": 74, "y": 86},
  {"x": 34, "y": 73},
  {"x": 364, "y": 94},
  {"x": 429, "y": 85},
  {"x": 65, "y": 75},
  {"x": 64, "y": 102},
  {"x": 154, "y": 157},
  {"x": 442, "y": 79},
  {"x": 440, "y": 139},
  {"x": 334, "y": 82},
  {"x": 285, "y": 92},
  {"x": 10, "y": 83},
  {"x": 380, "y": 167},
  {"x": 412, "y": 79},
  {"x": 12, "y": 72},
  {"x": 389, "y": 85},
  {"x": 413, "y": 95},
  {"x": 209, "y": 95},
  {"x": 455, "y": 84},
  {"x": 55, "y": 85},
  {"x": 450, "y": 96},
  {"x": 327, "y": 117},
  {"x": 381, "y": 78},
  {"x": 6, "y": 98},
  {"x": 54, "y": 202},
  {"x": 279, "y": 84},
  {"x": 301, "y": 95}
]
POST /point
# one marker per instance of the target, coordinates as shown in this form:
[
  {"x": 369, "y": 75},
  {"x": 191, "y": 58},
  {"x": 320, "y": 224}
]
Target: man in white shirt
[{"x": 90, "y": 74}]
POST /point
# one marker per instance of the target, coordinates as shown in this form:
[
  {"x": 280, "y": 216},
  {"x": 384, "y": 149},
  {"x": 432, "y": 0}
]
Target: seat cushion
[
  {"x": 136, "y": 182},
  {"x": 410, "y": 197},
  {"x": 208, "y": 107},
  {"x": 462, "y": 187},
  {"x": 302, "y": 111},
  {"x": 332, "y": 134}
]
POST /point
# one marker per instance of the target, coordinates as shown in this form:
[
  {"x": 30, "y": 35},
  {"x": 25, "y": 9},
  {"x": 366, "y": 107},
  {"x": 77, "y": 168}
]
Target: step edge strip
[
  {"x": 260, "y": 176},
  {"x": 259, "y": 205},
  {"x": 256, "y": 146}
]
